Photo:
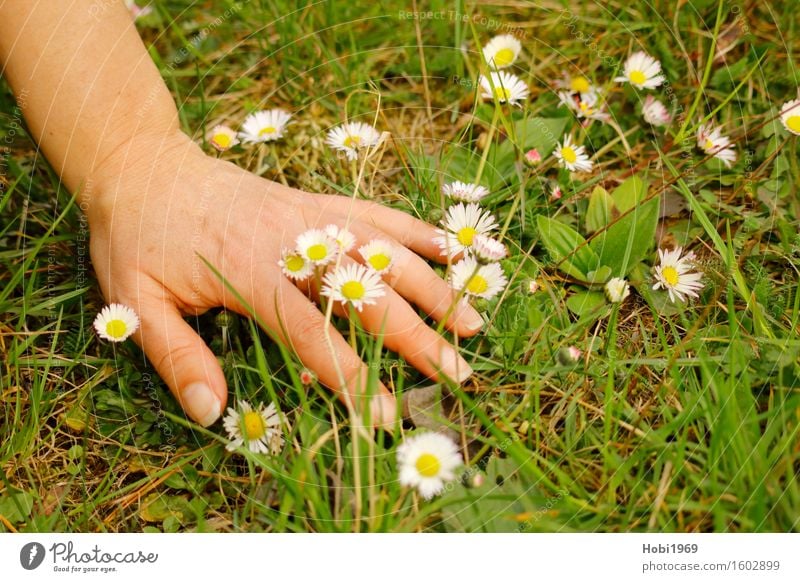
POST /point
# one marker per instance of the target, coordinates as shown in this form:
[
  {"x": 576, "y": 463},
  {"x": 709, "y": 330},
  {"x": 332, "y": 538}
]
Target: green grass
[{"x": 674, "y": 419}]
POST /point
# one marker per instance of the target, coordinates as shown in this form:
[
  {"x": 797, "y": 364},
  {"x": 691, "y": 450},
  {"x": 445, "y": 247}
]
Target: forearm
[{"x": 88, "y": 81}]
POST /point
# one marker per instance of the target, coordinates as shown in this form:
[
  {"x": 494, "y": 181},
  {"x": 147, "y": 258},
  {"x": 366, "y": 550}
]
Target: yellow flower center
[
  {"x": 569, "y": 155},
  {"x": 379, "y": 261},
  {"x": 428, "y": 465},
  {"x": 317, "y": 252},
  {"x": 637, "y": 77},
  {"x": 477, "y": 285},
  {"x": 579, "y": 85},
  {"x": 353, "y": 290},
  {"x": 793, "y": 123},
  {"x": 267, "y": 131},
  {"x": 709, "y": 145},
  {"x": 502, "y": 93},
  {"x": 116, "y": 328},
  {"x": 503, "y": 57},
  {"x": 465, "y": 235},
  {"x": 295, "y": 263},
  {"x": 352, "y": 141},
  {"x": 670, "y": 275},
  {"x": 254, "y": 427},
  {"x": 222, "y": 140}
]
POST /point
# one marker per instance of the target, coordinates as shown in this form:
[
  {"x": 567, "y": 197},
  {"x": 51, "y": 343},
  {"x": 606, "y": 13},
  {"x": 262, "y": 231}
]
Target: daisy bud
[
  {"x": 569, "y": 356},
  {"x": 617, "y": 289},
  {"x": 555, "y": 194},
  {"x": 533, "y": 157},
  {"x": 307, "y": 377},
  {"x": 533, "y": 286}
]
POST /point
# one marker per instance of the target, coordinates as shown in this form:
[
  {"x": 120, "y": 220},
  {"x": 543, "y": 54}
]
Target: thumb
[{"x": 183, "y": 361}]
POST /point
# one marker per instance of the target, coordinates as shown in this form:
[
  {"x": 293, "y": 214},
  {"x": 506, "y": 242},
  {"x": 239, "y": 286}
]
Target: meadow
[{"x": 593, "y": 407}]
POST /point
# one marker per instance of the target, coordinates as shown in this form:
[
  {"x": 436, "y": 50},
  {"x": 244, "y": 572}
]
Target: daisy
[
  {"x": 317, "y": 247},
  {"x": 263, "y": 126},
  {"x": 379, "y": 255},
  {"x": 587, "y": 105},
  {"x": 222, "y": 138},
  {"x": 463, "y": 192},
  {"x": 116, "y": 322},
  {"x": 578, "y": 84},
  {"x": 294, "y": 265},
  {"x": 259, "y": 430},
  {"x": 343, "y": 237},
  {"x": 790, "y": 116},
  {"x": 642, "y": 71},
  {"x": 504, "y": 87},
  {"x": 348, "y": 138},
  {"x": 654, "y": 112},
  {"x": 573, "y": 157},
  {"x": 353, "y": 284},
  {"x": 617, "y": 289},
  {"x": 712, "y": 142},
  {"x": 461, "y": 223},
  {"x": 487, "y": 249},
  {"x": 477, "y": 280},
  {"x": 427, "y": 461},
  {"x": 674, "y": 273},
  {"x": 502, "y": 51}
]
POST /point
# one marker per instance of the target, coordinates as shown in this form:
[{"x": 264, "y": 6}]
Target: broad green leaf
[
  {"x": 598, "y": 215},
  {"x": 585, "y": 303},
  {"x": 629, "y": 239},
  {"x": 599, "y": 276},
  {"x": 16, "y": 507},
  {"x": 561, "y": 241},
  {"x": 629, "y": 193}
]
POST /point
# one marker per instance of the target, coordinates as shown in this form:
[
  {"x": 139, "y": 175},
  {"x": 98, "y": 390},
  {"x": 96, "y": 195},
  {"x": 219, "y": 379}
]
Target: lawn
[{"x": 583, "y": 414}]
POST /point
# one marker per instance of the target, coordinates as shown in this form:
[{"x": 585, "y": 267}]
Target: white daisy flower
[
  {"x": 263, "y": 126},
  {"x": 790, "y": 116},
  {"x": 477, "y": 280},
  {"x": 343, "y": 237},
  {"x": 712, "y": 142},
  {"x": 379, "y": 255},
  {"x": 502, "y": 51},
  {"x": 351, "y": 137},
  {"x": 487, "y": 249},
  {"x": 642, "y": 71},
  {"x": 505, "y": 87},
  {"x": 463, "y": 192},
  {"x": 654, "y": 112},
  {"x": 674, "y": 273},
  {"x": 258, "y": 430},
  {"x": 294, "y": 265},
  {"x": 577, "y": 84},
  {"x": 573, "y": 157},
  {"x": 427, "y": 461},
  {"x": 461, "y": 223},
  {"x": 589, "y": 105},
  {"x": 222, "y": 138},
  {"x": 617, "y": 289},
  {"x": 353, "y": 284},
  {"x": 317, "y": 247},
  {"x": 116, "y": 322}
]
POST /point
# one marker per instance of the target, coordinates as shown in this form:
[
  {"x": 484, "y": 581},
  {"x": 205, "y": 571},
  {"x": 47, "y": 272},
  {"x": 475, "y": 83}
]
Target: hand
[{"x": 159, "y": 203}]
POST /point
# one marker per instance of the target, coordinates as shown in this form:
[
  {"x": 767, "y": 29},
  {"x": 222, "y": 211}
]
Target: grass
[{"x": 674, "y": 419}]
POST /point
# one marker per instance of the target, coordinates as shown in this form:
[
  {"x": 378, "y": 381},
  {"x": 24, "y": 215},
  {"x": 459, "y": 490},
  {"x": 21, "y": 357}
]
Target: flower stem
[{"x": 489, "y": 140}]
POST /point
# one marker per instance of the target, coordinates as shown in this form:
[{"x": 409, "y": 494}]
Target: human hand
[{"x": 158, "y": 204}]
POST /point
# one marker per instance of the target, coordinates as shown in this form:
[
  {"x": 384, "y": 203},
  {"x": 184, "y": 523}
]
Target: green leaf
[
  {"x": 629, "y": 193},
  {"x": 585, "y": 303},
  {"x": 629, "y": 239},
  {"x": 598, "y": 215},
  {"x": 561, "y": 241},
  {"x": 17, "y": 506}
]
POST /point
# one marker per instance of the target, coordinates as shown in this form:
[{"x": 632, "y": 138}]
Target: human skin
[{"x": 158, "y": 207}]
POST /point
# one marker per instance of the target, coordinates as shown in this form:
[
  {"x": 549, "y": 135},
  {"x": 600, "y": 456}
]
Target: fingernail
[
  {"x": 384, "y": 410},
  {"x": 201, "y": 403},
  {"x": 468, "y": 318},
  {"x": 454, "y": 366}
]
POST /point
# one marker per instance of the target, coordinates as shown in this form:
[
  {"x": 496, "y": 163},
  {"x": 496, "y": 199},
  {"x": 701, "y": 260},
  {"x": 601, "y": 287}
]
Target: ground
[{"x": 674, "y": 417}]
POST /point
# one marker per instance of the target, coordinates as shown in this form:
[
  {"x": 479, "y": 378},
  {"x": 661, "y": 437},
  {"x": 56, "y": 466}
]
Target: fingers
[
  {"x": 302, "y": 327},
  {"x": 415, "y": 280},
  {"x": 404, "y": 228},
  {"x": 183, "y": 360}
]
